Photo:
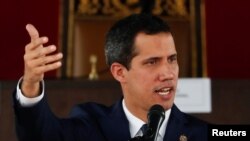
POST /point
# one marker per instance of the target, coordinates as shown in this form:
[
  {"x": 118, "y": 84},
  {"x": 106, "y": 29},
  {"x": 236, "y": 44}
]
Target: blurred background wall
[
  {"x": 226, "y": 21},
  {"x": 227, "y": 47},
  {"x": 14, "y": 15}
]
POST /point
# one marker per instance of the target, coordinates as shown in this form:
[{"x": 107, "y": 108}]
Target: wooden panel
[
  {"x": 230, "y": 100},
  {"x": 89, "y": 39}
]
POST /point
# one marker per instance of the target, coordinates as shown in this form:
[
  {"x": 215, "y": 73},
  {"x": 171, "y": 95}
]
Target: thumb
[{"x": 33, "y": 33}]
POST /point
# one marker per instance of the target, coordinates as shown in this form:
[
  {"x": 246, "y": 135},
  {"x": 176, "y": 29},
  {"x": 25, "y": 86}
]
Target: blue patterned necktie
[{"x": 144, "y": 128}]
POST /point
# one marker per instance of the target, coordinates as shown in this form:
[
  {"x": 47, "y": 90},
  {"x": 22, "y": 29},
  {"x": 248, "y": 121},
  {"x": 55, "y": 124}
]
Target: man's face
[{"x": 152, "y": 77}]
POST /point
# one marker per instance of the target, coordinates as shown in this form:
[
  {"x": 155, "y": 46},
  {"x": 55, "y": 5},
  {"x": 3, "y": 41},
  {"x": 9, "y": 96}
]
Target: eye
[
  {"x": 151, "y": 61},
  {"x": 172, "y": 58}
]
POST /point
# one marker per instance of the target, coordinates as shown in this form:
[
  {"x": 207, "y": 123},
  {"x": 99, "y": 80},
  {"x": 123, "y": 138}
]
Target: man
[{"x": 141, "y": 54}]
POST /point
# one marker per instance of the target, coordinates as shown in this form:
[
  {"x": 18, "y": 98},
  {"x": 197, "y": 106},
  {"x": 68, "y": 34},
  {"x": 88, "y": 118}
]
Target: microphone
[{"x": 156, "y": 117}]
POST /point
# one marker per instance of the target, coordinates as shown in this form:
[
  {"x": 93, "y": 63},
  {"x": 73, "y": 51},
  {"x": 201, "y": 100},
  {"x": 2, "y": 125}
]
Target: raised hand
[{"x": 38, "y": 59}]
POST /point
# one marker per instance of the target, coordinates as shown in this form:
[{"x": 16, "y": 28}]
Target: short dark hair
[{"x": 119, "y": 45}]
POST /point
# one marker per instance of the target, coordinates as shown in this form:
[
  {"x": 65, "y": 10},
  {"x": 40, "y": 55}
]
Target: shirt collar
[{"x": 136, "y": 123}]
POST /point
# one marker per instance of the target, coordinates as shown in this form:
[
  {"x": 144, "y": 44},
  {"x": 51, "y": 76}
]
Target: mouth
[{"x": 163, "y": 91}]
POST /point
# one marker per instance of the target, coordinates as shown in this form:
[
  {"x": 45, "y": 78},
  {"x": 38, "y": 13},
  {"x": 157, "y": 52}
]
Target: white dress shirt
[
  {"x": 135, "y": 123},
  {"x": 25, "y": 101}
]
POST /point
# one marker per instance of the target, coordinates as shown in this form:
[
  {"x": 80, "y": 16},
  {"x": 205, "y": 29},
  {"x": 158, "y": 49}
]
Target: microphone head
[
  {"x": 157, "y": 109},
  {"x": 156, "y": 116}
]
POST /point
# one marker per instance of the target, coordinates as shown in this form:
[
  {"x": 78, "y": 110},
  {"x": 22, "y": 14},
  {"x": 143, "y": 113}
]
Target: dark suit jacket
[{"x": 95, "y": 122}]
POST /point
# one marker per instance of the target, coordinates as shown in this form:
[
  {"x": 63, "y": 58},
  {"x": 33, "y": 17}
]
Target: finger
[
  {"x": 33, "y": 32},
  {"x": 36, "y": 43},
  {"x": 49, "y": 67},
  {"x": 52, "y": 59},
  {"x": 44, "y": 60},
  {"x": 39, "y": 52}
]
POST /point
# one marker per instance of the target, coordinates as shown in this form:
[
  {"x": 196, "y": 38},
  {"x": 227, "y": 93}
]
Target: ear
[{"x": 118, "y": 71}]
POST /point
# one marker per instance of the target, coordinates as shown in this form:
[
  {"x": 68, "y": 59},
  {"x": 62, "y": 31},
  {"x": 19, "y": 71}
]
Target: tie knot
[{"x": 144, "y": 128}]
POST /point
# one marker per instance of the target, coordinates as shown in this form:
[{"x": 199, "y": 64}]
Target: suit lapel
[
  {"x": 116, "y": 126},
  {"x": 176, "y": 125}
]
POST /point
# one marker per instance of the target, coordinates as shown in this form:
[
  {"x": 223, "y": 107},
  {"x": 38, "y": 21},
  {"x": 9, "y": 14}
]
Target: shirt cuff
[{"x": 25, "y": 101}]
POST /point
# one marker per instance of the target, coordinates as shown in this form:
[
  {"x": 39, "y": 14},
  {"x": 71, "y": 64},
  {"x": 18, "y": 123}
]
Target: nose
[{"x": 166, "y": 72}]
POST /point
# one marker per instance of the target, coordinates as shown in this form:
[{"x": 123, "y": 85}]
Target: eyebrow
[
  {"x": 152, "y": 58},
  {"x": 156, "y": 57}
]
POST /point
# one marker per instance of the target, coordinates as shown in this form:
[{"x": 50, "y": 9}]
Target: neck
[{"x": 138, "y": 112}]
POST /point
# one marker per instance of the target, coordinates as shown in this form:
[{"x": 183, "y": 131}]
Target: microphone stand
[
  {"x": 138, "y": 138},
  {"x": 142, "y": 138}
]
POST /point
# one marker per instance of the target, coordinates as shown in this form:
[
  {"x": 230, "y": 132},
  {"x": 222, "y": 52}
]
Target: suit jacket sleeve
[{"x": 38, "y": 123}]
